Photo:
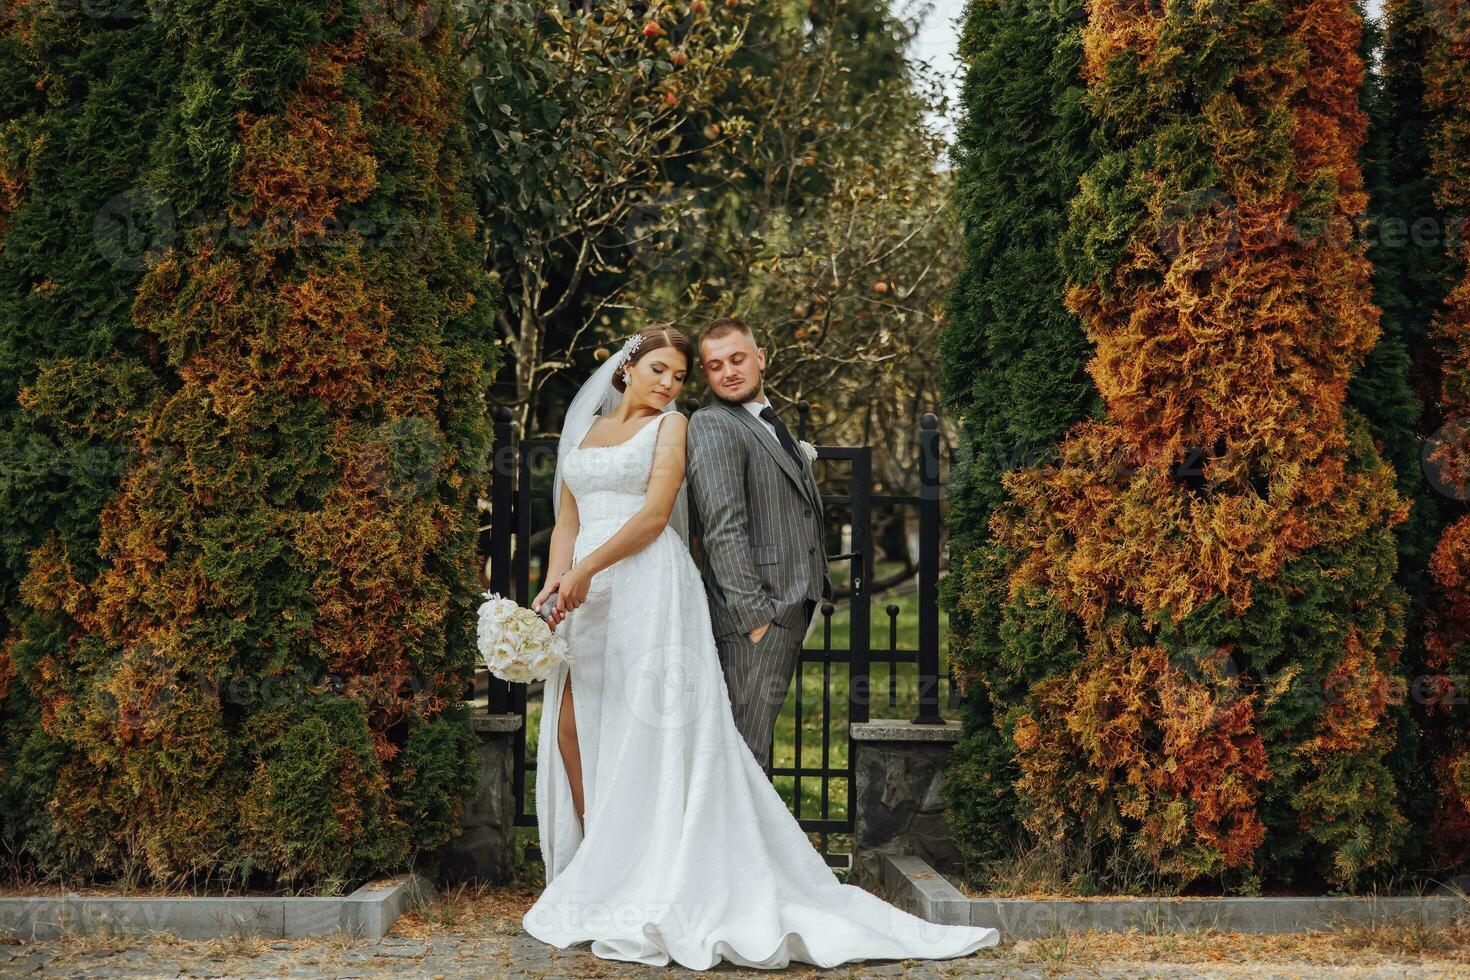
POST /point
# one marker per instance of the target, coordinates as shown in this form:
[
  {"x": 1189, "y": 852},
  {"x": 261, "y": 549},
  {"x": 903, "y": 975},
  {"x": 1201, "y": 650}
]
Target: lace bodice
[{"x": 609, "y": 484}]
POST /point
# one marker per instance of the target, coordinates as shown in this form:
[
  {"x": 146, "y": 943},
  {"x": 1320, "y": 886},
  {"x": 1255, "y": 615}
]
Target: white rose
[
  {"x": 809, "y": 451},
  {"x": 515, "y": 643}
]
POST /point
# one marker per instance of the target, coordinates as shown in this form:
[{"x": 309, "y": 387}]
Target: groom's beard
[{"x": 749, "y": 395}]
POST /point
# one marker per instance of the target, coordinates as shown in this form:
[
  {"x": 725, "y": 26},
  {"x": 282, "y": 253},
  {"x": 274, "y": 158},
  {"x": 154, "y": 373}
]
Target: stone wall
[
  {"x": 485, "y": 849},
  {"x": 898, "y": 777}
]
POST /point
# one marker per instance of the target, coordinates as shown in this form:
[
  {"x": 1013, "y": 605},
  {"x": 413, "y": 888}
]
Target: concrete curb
[
  {"x": 367, "y": 913},
  {"x": 918, "y": 888}
]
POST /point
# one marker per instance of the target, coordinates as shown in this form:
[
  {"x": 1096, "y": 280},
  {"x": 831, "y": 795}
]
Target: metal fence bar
[
  {"x": 929, "y": 572},
  {"x": 522, "y": 564},
  {"x": 860, "y": 640},
  {"x": 520, "y": 584},
  {"x": 501, "y": 699},
  {"x": 826, "y": 737},
  {"x": 893, "y": 611},
  {"x": 796, "y": 757},
  {"x": 504, "y": 697}
]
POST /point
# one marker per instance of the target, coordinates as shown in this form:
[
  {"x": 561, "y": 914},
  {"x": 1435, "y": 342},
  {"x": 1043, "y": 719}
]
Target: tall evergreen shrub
[
  {"x": 254, "y": 667},
  {"x": 1214, "y": 561},
  {"x": 1447, "y": 625},
  {"x": 1013, "y": 362}
]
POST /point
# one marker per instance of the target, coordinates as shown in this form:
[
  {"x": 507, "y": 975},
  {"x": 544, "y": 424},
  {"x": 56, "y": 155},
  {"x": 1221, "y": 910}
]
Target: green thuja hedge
[
  {"x": 1447, "y": 620},
  {"x": 83, "y": 101},
  {"x": 251, "y": 670},
  {"x": 1013, "y": 365},
  {"x": 1396, "y": 387},
  {"x": 1196, "y": 626}
]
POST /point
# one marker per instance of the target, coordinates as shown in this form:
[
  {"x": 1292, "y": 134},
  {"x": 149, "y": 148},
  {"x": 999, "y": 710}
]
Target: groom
[{"x": 760, "y": 514}]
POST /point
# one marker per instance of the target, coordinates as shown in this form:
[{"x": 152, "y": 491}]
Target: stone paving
[{"x": 478, "y": 934}]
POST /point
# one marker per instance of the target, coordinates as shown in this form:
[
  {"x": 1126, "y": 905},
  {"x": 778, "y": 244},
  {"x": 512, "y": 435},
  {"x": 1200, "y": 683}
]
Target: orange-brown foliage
[
  {"x": 1447, "y": 95},
  {"x": 1228, "y": 330}
]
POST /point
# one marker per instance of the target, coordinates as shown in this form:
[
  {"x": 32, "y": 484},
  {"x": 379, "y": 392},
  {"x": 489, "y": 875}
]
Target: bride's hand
[
  {"x": 573, "y": 590},
  {"x": 546, "y": 590}
]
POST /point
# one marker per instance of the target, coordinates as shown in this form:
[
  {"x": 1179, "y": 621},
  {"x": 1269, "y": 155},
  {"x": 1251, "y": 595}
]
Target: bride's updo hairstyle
[{"x": 656, "y": 338}]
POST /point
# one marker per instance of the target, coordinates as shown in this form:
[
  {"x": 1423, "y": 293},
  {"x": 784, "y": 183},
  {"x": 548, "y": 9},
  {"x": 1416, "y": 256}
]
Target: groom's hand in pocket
[{"x": 756, "y": 634}]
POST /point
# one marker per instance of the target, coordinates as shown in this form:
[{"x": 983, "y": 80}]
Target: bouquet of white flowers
[{"x": 515, "y": 643}]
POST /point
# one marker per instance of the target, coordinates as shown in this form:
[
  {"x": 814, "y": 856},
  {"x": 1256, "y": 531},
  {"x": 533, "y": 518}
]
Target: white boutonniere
[{"x": 808, "y": 450}]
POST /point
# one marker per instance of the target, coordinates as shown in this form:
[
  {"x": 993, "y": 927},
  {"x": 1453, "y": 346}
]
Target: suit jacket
[{"x": 760, "y": 516}]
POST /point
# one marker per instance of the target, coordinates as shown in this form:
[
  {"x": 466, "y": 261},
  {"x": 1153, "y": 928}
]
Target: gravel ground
[{"x": 478, "y": 934}]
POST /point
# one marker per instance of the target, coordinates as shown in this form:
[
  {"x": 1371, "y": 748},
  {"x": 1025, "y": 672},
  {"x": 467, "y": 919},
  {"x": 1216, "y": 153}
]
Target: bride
[{"x": 663, "y": 839}]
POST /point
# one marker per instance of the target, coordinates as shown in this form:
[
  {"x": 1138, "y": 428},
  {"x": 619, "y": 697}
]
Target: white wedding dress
[{"x": 690, "y": 853}]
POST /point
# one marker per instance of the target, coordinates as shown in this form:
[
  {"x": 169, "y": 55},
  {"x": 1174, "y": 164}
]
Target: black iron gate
[{"x": 811, "y": 757}]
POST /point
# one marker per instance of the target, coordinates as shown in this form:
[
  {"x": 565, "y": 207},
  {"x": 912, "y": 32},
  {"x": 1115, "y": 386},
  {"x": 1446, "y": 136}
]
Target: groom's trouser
[{"x": 758, "y": 675}]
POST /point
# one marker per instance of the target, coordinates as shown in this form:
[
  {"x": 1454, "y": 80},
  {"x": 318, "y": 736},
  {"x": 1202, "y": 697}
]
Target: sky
[
  {"x": 939, "y": 36},
  {"x": 936, "y": 42}
]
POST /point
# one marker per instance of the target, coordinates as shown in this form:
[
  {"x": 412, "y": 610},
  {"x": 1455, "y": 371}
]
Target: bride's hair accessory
[{"x": 626, "y": 355}]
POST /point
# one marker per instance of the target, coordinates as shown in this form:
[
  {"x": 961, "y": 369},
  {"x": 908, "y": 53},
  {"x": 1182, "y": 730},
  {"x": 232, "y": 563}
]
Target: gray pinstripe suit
[{"x": 763, "y": 560}]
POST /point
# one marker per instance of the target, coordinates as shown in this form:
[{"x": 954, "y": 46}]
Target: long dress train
[{"x": 690, "y": 853}]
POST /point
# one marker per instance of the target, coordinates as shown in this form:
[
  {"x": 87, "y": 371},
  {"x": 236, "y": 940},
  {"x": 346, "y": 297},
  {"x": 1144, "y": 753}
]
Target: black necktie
[{"x": 782, "y": 433}]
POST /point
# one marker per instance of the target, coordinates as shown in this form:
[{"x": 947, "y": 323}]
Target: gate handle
[{"x": 857, "y": 580}]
